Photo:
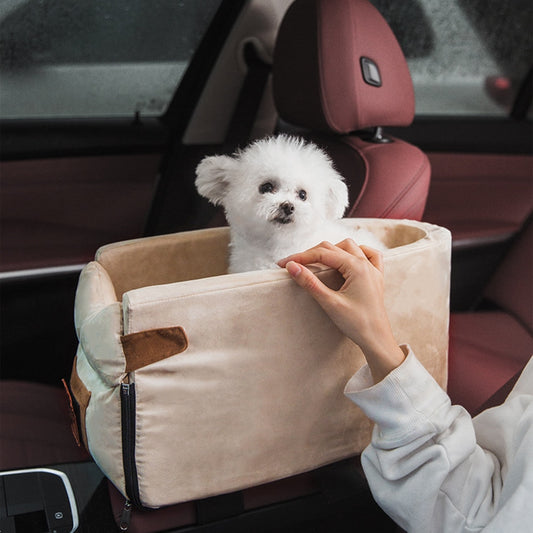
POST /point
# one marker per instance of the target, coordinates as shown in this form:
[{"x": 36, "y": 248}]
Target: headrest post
[{"x": 376, "y": 136}]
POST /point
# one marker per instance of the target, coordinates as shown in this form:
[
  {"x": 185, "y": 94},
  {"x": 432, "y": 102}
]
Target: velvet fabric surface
[{"x": 257, "y": 393}]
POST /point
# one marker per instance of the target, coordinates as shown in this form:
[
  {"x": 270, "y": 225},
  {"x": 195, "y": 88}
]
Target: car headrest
[{"x": 339, "y": 68}]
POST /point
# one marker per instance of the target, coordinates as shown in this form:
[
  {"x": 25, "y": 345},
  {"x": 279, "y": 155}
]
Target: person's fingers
[
  {"x": 308, "y": 281},
  {"x": 350, "y": 246},
  {"x": 374, "y": 256},
  {"x": 302, "y": 257},
  {"x": 324, "y": 253}
]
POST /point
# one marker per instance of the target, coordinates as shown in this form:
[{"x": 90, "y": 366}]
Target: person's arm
[{"x": 424, "y": 465}]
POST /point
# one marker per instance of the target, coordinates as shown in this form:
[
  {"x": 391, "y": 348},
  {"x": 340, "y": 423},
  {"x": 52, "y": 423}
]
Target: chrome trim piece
[{"x": 34, "y": 273}]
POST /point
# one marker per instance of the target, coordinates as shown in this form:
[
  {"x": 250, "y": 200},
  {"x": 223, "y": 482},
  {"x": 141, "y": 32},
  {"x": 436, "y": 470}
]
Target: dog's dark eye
[
  {"x": 302, "y": 195},
  {"x": 266, "y": 187}
]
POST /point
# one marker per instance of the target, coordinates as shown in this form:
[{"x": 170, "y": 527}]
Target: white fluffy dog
[{"x": 281, "y": 195}]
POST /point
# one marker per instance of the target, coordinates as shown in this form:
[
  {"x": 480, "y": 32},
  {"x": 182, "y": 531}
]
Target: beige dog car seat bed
[{"x": 192, "y": 382}]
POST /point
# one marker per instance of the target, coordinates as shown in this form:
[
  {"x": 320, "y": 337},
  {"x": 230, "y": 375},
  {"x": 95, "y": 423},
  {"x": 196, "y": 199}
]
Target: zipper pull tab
[{"x": 125, "y": 518}]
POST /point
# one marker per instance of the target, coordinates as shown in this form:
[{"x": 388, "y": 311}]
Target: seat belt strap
[{"x": 249, "y": 100}]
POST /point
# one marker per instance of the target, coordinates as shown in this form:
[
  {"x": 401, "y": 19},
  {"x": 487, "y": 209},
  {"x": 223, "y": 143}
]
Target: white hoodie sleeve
[{"x": 432, "y": 468}]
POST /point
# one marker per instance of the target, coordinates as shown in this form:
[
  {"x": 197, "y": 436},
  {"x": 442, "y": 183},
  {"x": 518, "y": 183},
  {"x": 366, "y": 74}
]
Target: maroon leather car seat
[
  {"x": 35, "y": 426},
  {"x": 487, "y": 348},
  {"x": 340, "y": 74}
]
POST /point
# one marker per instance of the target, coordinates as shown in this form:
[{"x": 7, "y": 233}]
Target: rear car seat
[{"x": 487, "y": 348}]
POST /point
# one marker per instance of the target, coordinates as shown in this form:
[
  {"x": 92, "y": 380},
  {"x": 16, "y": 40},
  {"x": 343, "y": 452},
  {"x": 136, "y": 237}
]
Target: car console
[{"x": 38, "y": 500}]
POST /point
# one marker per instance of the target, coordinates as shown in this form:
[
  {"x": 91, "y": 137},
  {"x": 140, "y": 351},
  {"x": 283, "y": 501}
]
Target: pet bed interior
[{"x": 199, "y": 254}]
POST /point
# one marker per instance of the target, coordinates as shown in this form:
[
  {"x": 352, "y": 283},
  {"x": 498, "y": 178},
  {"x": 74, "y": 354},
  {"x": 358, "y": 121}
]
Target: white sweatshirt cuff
[{"x": 391, "y": 402}]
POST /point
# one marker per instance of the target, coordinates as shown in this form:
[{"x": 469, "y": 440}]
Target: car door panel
[
  {"x": 481, "y": 198},
  {"x": 55, "y": 213},
  {"x": 74, "y": 182},
  {"x": 59, "y": 211},
  {"x": 485, "y": 200}
]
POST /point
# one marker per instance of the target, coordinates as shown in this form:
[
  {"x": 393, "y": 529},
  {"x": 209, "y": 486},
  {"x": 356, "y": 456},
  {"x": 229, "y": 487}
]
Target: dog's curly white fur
[{"x": 281, "y": 195}]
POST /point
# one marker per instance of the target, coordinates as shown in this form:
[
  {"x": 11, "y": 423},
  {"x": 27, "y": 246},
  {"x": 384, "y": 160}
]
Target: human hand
[{"x": 358, "y": 307}]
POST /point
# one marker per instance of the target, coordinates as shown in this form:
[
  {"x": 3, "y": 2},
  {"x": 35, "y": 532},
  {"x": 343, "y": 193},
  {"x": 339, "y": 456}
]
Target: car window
[
  {"x": 466, "y": 57},
  {"x": 72, "y": 58}
]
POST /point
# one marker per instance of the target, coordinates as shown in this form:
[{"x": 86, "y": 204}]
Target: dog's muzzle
[{"x": 284, "y": 213}]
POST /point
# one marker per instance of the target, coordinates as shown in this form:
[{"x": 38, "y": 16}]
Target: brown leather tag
[
  {"x": 82, "y": 396},
  {"x": 150, "y": 346}
]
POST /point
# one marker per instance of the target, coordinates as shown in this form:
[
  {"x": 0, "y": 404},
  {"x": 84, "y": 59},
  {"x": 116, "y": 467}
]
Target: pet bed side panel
[
  {"x": 257, "y": 395},
  {"x": 98, "y": 319},
  {"x": 102, "y": 422},
  {"x": 100, "y": 339},
  {"x": 94, "y": 292},
  {"x": 417, "y": 292},
  {"x": 100, "y": 366}
]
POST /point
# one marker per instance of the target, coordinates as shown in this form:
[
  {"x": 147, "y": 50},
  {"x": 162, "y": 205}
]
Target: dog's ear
[
  {"x": 337, "y": 197},
  {"x": 212, "y": 177}
]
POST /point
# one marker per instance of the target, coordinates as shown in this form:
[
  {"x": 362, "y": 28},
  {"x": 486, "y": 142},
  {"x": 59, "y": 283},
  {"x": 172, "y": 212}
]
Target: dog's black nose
[{"x": 287, "y": 208}]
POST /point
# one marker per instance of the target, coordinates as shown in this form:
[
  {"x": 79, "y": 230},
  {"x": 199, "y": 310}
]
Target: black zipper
[
  {"x": 125, "y": 517},
  {"x": 127, "y": 397}
]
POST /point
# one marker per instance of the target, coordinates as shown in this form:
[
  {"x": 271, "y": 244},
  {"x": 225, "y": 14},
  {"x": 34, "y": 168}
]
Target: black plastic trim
[
  {"x": 181, "y": 160},
  {"x": 29, "y": 301},
  {"x": 468, "y": 135},
  {"x": 47, "y": 138},
  {"x": 522, "y": 103}
]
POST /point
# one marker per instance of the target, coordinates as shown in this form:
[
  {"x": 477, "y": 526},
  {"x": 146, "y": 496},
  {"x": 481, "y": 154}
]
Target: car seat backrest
[
  {"x": 338, "y": 69},
  {"x": 319, "y": 72},
  {"x": 511, "y": 287}
]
